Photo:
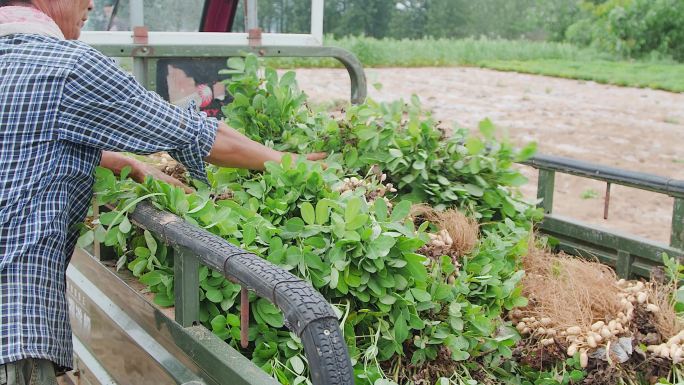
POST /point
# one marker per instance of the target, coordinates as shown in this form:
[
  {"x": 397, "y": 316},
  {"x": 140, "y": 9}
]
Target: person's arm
[
  {"x": 105, "y": 108},
  {"x": 232, "y": 149}
]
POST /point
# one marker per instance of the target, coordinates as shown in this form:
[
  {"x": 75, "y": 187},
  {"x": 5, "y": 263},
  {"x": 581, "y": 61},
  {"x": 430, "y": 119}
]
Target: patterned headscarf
[{"x": 29, "y": 20}]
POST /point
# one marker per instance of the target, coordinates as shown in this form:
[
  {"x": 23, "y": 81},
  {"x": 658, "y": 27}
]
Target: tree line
[{"x": 631, "y": 28}]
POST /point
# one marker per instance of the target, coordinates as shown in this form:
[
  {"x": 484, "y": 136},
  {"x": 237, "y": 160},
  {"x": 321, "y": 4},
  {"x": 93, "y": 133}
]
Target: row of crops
[{"x": 425, "y": 294}]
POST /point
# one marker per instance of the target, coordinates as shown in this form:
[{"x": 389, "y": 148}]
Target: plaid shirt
[{"x": 61, "y": 104}]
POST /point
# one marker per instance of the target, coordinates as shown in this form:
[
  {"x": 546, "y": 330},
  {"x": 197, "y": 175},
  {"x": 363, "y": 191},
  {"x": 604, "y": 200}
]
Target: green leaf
[
  {"x": 351, "y": 236},
  {"x": 236, "y": 63},
  {"x": 112, "y": 236},
  {"x": 151, "y": 242},
  {"x": 218, "y": 323},
  {"x": 482, "y": 324},
  {"x": 576, "y": 375},
  {"x": 125, "y": 225},
  {"x": 352, "y": 280},
  {"x": 421, "y": 295},
  {"x": 233, "y": 320},
  {"x": 352, "y": 210},
  {"x": 86, "y": 239},
  {"x": 459, "y": 355},
  {"x": 388, "y": 299},
  {"x": 380, "y": 247},
  {"x": 322, "y": 212},
  {"x": 474, "y": 190},
  {"x": 297, "y": 364},
  {"x": 214, "y": 295},
  {"x": 110, "y": 218},
  {"x": 295, "y": 225},
  {"x": 401, "y": 211},
  {"x": 380, "y": 208},
  {"x": 357, "y": 222},
  {"x": 308, "y": 213},
  {"x": 162, "y": 300},
  {"x": 527, "y": 152},
  {"x": 401, "y": 330},
  {"x": 269, "y": 313},
  {"x": 474, "y": 145},
  {"x": 442, "y": 292},
  {"x": 487, "y": 129},
  {"x": 142, "y": 252},
  {"x": 415, "y": 267},
  {"x": 152, "y": 278},
  {"x": 334, "y": 278},
  {"x": 395, "y": 153},
  {"x": 249, "y": 234}
]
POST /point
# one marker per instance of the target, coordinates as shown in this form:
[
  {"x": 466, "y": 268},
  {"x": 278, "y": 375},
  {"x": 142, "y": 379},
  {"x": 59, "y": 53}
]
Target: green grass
[
  {"x": 544, "y": 58},
  {"x": 668, "y": 77},
  {"x": 444, "y": 52}
]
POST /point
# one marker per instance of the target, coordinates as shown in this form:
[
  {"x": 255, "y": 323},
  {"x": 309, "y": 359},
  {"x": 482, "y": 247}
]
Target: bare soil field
[{"x": 633, "y": 129}]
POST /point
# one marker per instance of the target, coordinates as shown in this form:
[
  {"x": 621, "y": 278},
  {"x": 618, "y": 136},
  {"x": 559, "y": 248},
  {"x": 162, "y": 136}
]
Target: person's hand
[
  {"x": 316, "y": 156},
  {"x": 141, "y": 170},
  {"x": 116, "y": 162}
]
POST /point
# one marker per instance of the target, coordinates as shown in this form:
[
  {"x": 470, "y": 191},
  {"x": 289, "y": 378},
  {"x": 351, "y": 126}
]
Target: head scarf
[{"x": 29, "y": 20}]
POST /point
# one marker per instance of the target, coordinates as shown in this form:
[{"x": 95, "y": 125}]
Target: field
[{"x": 544, "y": 58}]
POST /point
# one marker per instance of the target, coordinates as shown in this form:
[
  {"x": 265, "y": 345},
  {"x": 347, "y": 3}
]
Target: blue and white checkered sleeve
[{"x": 106, "y": 108}]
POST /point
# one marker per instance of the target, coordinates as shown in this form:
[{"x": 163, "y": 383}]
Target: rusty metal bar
[
  {"x": 606, "y": 202},
  {"x": 244, "y": 318}
]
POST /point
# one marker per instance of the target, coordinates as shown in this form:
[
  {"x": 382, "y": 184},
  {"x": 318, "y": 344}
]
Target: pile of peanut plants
[{"x": 347, "y": 227}]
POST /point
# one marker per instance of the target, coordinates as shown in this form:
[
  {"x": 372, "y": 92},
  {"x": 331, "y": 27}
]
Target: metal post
[
  {"x": 623, "y": 265},
  {"x": 677, "y": 231},
  {"x": 251, "y": 16},
  {"x": 317, "y": 12},
  {"x": 186, "y": 286},
  {"x": 545, "y": 185},
  {"x": 137, "y": 19},
  {"x": 137, "y": 16},
  {"x": 606, "y": 202}
]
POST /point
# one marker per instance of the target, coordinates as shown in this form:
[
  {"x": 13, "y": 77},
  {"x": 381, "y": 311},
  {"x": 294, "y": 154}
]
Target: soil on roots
[
  {"x": 223, "y": 196},
  {"x": 462, "y": 230},
  {"x": 426, "y": 373},
  {"x": 178, "y": 172},
  {"x": 529, "y": 352},
  {"x": 637, "y": 370}
]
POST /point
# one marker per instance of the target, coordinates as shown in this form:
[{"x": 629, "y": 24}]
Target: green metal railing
[{"x": 629, "y": 255}]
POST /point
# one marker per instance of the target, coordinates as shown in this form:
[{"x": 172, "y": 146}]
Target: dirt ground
[{"x": 634, "y": 129}]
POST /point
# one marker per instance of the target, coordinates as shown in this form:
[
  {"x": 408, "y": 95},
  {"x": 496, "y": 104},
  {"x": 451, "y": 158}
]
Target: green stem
[{"x": 129, "y": 206}]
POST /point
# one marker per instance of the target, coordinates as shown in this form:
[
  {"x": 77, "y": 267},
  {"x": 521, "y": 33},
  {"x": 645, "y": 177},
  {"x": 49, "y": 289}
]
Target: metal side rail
[
  {"x": 120, "y": 338},
  {"x": 628, "y": 254},
  {"x": 305, "y": 310},
  {"x": 218, "y": 45}
]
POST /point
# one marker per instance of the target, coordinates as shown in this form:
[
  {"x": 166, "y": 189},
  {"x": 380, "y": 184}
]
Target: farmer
[{"x": 63, "y": 107}]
